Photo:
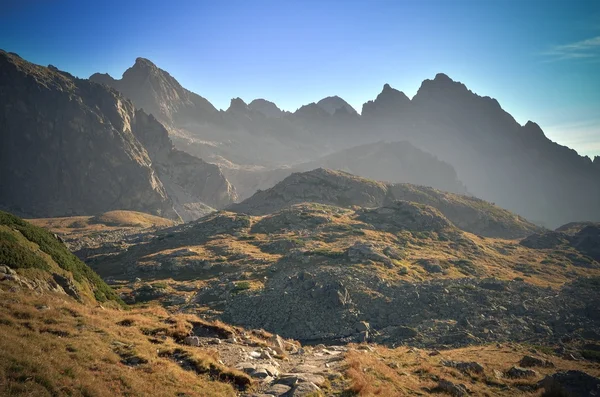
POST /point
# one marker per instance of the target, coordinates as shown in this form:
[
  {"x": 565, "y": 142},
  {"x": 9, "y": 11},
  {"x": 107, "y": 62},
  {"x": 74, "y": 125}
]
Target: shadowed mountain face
[
  {"x": 493, "y": 156},
  {"x": 70, "y": 146}
]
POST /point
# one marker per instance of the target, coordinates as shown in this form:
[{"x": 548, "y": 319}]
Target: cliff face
[
  {"x": 68, "y": 146},
  {"x": 71, "y": 146}
]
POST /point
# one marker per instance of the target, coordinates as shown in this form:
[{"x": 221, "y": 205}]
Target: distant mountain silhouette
[
  {"x": 332, "y": 104},
  {"x": 267, "y": 108},
  {"x": 495, "y": 157}
]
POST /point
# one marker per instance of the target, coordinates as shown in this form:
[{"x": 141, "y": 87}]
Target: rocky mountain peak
[
  {"x": 389, "y": 102},
  {"x": 268, "y": 108},
  {"x": 533, "y": 130},
  {"x": 312, "y": 111},
  {"x": 144, "y": 63},
  {"x": 158, "y": 93},
  {"x": 333, "y": 103},
  {"x": 238, "y": 105},
  {"x": 75, "y": 147},
  {"x": 442, "y": 78}
]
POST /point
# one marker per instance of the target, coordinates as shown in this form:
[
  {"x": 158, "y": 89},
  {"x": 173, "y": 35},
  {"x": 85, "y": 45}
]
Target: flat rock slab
[
  {"x": 304, "y": 389},
  {"x": 294, "y": 379},
  {"x": 278, "y": 389}
]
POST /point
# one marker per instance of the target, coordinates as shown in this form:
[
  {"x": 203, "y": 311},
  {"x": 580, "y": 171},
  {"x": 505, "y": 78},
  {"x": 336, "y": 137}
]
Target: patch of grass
[
  {"x": 327, "y": 253},
  {"x": 15, "y": 255},
  {"x": 241, "y": 286}
]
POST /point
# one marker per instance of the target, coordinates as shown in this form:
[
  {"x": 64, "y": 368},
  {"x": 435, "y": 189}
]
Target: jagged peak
[
  {"x": 442, "y": 77},
  {"x": 144, "y": 62},
  {"x": 267, "y": 108},
  {"x": 237, "y": 105},
  {"x": 389, "y": 100},
  {"x": 533, "y": 129}
]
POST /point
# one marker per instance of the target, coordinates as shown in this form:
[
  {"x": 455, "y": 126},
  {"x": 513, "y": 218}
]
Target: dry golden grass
[
  {"x": 53, "y": 346},
  {"x": 408, "y": 371},
  {"x": 104, "y": 222}
]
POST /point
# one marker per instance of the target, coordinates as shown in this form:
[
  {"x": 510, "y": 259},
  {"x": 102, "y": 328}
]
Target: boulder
[
  {"x": 530, "y": 361},
  {"x": 518, "y": 373},
  {"x": 571, "y": 383},
  {"x": 192, "y": 341},
  {"x": 452, "y": 388}
]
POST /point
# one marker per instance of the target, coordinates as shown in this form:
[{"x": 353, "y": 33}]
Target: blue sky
[{"x": 539, "y": 58}]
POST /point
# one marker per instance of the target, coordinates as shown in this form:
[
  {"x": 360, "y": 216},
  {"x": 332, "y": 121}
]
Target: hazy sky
[{"x": 539, "y": 58}]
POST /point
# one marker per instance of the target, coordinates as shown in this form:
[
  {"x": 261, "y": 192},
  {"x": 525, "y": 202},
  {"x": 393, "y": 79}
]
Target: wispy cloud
[{"x": 584, "y": 49}]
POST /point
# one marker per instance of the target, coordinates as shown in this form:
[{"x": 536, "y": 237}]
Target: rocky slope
[
  {"x": 494, "y": 316},
  {"x": 73, "y": 147},
  {"x": 346, "y": 190},
  {"x": 582, "y": 236}
]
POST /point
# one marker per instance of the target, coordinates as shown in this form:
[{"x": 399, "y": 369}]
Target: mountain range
[{"x": 494, "y": 157}]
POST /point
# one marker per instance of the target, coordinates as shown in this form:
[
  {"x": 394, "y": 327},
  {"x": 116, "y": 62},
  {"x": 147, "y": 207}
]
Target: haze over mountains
[
  {"x": 495, "y": 158},
  {"x": 73, "y": 147},
  {"x": 351, "y": 233}
]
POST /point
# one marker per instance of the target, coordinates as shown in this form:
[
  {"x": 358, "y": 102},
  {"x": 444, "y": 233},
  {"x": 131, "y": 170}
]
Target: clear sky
[{"x": 539, "y": 58}]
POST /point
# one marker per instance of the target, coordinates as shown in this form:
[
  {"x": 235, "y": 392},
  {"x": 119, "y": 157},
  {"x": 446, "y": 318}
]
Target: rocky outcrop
[
  {"x": 73, "y": 147},
  {"x": 571, "y": 383},
  {"x": 346, "y": 190}
]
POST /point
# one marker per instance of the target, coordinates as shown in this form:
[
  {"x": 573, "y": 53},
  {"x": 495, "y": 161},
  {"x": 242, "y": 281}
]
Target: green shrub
[{"x": 241, "y": 286}]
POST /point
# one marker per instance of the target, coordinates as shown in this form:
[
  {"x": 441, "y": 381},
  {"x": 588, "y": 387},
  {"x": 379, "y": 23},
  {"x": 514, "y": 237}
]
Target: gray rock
[
  {"x": 304, "y": 389},
  {"x": 571, "y": 384},
  {"x": 518, "y": 373},
  {"x": 4, "y": 269},
  {"x": 278, "y": 389},
  {"x": 530, "y": 361},
  {"x": 452, "y": 388},
  {"x": 192, "y": 341},
  {"x": 470, "y": 366}
]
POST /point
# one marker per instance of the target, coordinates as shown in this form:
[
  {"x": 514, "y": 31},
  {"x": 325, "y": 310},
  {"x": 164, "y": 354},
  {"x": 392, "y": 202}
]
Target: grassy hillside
[
  {"x": 39, "y": 255},
  {"x": 54, "y": 347}
]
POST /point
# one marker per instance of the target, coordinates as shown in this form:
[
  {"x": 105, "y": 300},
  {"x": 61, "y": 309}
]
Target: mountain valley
[{"x": 151, "y": 244}]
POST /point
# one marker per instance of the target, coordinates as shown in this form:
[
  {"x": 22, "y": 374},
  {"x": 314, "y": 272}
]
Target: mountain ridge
[{"x": 487, "y": 147}]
